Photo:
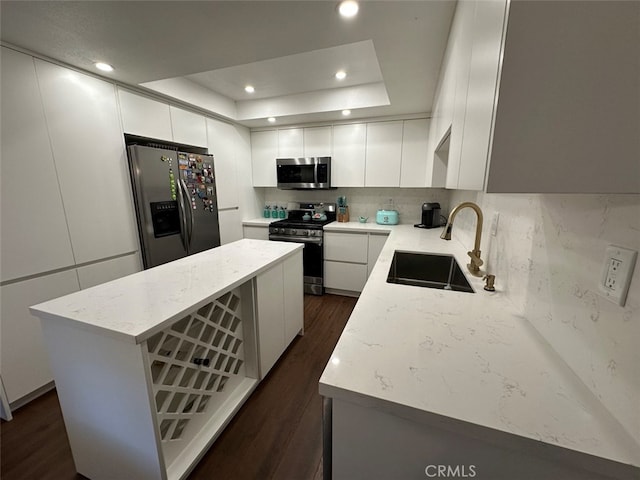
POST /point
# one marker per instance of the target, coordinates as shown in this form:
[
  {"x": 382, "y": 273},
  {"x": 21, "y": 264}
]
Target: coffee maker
[{"x": 430, "y": 216}]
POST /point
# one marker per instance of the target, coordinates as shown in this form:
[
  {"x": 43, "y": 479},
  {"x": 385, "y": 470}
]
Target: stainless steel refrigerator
[{"x": 175, "y": 200}]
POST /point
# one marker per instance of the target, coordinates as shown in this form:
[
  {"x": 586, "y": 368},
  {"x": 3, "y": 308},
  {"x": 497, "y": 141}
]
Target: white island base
[{"x": 150, "y": 368}]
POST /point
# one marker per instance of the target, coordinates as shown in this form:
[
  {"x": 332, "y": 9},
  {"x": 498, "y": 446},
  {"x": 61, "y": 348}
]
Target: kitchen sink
[{"x": 427, "y": 270}]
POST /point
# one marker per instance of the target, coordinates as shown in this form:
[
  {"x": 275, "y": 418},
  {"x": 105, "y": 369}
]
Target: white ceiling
[{"x": 288, "y": 50}]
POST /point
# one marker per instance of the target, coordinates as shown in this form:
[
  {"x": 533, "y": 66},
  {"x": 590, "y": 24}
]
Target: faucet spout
[{"x": 476, "y": 262}]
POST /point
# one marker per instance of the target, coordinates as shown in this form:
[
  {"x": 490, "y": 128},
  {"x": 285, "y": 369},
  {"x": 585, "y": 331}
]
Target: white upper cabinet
[
  {"x": 35, "y": 237},
  {"x": 415, "y": 150},
  {"x": 188, "y": 127},
  {"x": 567, "y": 117},
  {"x": 89, "y": 154},
  {"x": 144, "y": 116},
  {"x": 348, "y": 159},
  {"x": 264, "y": 151},
  {"x": 460, "y": 62},
  {"x": 317, "y": 141},
  {"x": 383, "y": 154},
  {"x": 481, "y": 93},
  {"x": 551, "y": 118},
  {"x": 221, "y": 141},
  {"x": 290, "y": 143}
]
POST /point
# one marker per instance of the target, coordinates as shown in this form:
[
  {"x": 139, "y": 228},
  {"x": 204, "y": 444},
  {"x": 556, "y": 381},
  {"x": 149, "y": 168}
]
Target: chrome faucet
[{"x": 476, "y": 261}]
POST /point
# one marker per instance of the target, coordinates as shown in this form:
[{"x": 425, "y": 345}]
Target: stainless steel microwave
[{"x": 303, "y": 173}]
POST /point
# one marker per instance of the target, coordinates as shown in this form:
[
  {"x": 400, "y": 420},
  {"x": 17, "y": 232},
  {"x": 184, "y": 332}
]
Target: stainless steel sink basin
[{"x": 427, "y": 270}]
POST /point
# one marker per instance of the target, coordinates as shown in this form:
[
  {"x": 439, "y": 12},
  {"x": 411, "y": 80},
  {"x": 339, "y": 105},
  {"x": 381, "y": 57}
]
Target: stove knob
[{"x": 294, "y": 232}]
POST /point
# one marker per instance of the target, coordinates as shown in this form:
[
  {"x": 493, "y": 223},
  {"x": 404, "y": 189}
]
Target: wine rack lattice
[{"x": 195, "y": 364}]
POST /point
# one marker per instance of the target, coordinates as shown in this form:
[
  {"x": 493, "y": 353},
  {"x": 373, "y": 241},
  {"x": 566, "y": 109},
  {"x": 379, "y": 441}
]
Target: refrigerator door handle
[
  {"x": 190, "y": 226},
  {"x": 183, "y": 220}
]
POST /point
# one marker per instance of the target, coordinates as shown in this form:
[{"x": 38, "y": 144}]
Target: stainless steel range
[{"x": 305, "y": 225}]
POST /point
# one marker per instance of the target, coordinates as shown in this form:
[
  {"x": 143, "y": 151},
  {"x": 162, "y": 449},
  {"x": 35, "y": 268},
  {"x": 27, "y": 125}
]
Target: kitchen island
[
  {"x": 151, "y": 367},
  {"x": 426, "y": 382}
]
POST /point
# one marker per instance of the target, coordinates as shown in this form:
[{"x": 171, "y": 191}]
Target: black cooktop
[{"x": 295, "y": 220}]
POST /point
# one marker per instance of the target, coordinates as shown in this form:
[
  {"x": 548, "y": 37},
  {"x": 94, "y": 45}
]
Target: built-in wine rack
[{"x": 195, "y": 365}]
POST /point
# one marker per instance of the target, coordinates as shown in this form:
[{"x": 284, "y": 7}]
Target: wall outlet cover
[{"x": 617, "y": 271}]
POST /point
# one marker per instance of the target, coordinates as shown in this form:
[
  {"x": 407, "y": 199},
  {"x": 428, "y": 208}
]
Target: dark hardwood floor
[{"x": 277, "y": 434}]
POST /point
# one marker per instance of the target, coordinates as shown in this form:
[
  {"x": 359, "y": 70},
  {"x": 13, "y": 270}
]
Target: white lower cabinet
[
  {"x": 230, "y": 225},
  {"x": 349, "y": 259},
  {"x": 280, "y": 310},
  {"x": 105, "y": 271},
  {"x": 376, "y": 242},
  {"x": 256, "y": 232},
  {"x": 349, "y": 277},
  {"x": 24, "y": 362}
]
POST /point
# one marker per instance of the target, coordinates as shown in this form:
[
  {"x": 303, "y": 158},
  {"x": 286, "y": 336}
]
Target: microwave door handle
[
  {"x": 183, "y": 224},
  {"x": 315, "y": 172},
  {"x": 190, "y": 226}
]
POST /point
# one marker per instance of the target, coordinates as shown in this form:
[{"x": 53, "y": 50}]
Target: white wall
[
  {"x": 366, "y": 201},
  {"x": 547, "y": 256}
]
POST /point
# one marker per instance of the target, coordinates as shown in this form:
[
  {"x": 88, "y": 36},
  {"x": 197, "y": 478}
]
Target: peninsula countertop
[
  {"x": 467, "y": 358},
  {"x": 134, "y": 307}
]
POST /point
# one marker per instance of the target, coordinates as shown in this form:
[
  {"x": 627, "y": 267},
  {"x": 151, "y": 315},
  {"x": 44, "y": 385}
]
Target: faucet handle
[{"x": 489, "y": 281}]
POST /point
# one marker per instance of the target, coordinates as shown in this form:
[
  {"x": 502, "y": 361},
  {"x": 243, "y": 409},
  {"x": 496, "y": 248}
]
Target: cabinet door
[
  {"x": 230, "y": 225},
  {"x": 376, "y": 243},
  {"x": 483, "y": 76},
  {"x": 415, "y": 149},
  {"x": 270, "y": 312},
  {"x": 144, "y": 116},
  {"x": 577, "y": 94},
  {"x": 102, "y": 272},
  {"x": 293, "y": 297},
  {"x": 345, "y": 247},
  {"x": 290, "y": 143},
  {"x": 257, "y": 233},
  {"x": 264, "y": 151},
  {"x": 221, "y": 141},
  {"x": 344, "y": 276},
  {"x": 25, "y": 363},
  {"x": 317, "y": 142},
  {"x": 461, "y": 58},
  {"x": 188, "y": 127},
  {"x": 384, "y": 153},
  {"x": 348, "y": 159},
  {"x": 90, "y": 158},
  {"x": 35, "y": 237}
]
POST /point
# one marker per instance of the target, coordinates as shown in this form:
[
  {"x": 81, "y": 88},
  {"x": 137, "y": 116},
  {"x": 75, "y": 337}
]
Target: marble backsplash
[
  {"x": 366, "y": 201},
  {"x": 547, "y": 256}
]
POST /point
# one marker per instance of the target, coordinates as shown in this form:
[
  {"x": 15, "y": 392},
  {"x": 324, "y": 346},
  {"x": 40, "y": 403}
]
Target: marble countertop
[
  {"x": 135, "y": 307},
  {"x": 440, "y": 355}
]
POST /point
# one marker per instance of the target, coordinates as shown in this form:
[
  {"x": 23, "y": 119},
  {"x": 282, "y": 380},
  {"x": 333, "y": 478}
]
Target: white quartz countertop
[
  {"x": 259, "y": 222},
  {"x": 434, "y": 354},
  {"x": 134, "y": 307}
]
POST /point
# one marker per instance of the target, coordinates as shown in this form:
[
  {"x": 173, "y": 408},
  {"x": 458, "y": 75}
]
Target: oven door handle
[{"x": 286, "y": 238}]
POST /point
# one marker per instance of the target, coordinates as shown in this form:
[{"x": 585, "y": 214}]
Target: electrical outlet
[
  {"x": 494, "y": 224},
  {"x": 617, "y": 271}
]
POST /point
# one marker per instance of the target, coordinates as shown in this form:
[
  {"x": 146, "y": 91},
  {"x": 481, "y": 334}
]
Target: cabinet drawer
[
  {"x": 345, "y": 276},
  {"x": 346, "y": 247}
]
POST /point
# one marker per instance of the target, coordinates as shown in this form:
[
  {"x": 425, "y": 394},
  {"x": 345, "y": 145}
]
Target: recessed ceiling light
[
  {"x": 249, "y": 89},
  {"x": 341, "y": 74},
  {"x": 271, "y": 120},
  {"x": 346, "y": 113},
  {"x": 105, "y": 67},
  {"x": 348, "y": 8}
]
